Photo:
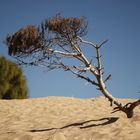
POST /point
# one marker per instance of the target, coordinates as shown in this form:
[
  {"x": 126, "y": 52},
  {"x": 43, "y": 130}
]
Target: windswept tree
[
  {"x": 12, "y": 81},
  {"x": 55, "y": 41}
]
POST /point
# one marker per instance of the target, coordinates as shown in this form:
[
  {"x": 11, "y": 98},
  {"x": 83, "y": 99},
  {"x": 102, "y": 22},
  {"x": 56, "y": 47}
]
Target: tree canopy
[{"x": 12, "y": 81}]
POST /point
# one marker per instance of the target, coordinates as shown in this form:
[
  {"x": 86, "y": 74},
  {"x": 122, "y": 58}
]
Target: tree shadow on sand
[{"x": 83, "y": 124}]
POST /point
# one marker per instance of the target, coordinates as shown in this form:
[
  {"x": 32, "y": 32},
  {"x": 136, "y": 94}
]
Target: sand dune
[{"x": 64, "y": 118}]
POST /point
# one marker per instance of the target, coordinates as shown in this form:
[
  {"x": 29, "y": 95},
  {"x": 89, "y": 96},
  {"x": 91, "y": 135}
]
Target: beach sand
[{"x": 66, "y": 118}]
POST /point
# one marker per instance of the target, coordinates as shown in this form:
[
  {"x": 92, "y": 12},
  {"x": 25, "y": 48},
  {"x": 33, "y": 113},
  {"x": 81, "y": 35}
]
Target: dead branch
[
  {"x": 128, "y": 109},
  {"x": 107, "y": 78},
  {"x": 81, "y": 76}
]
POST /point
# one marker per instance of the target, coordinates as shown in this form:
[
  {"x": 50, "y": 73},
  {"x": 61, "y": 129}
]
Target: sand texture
[{"x": 66, "y": 118}]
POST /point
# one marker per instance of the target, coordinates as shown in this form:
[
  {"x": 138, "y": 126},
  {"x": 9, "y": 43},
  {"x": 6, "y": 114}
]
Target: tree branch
[
  {"x": 100, "y": 45},
  {"x": 107, "y": 78},
  {"x": 84, "y": 77},
  {"x": 72, "y": 70},
  {"x": 87, "y": 42},
  {"x": 128, "y": 109}
]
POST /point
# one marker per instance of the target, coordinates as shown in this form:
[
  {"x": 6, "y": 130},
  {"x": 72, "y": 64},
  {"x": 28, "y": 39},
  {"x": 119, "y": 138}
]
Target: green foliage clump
[{"x": 12, "y": 81}]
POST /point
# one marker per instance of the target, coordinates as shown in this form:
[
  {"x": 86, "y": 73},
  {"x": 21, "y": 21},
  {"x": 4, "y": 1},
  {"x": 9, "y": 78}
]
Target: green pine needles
[{"x": 12, "y": 81}]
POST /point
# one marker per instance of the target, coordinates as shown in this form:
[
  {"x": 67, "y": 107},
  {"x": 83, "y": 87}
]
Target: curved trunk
[{"x": 128, "y": 109}]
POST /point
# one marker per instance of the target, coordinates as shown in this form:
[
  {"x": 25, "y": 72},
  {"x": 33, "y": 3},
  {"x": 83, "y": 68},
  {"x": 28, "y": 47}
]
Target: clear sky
[{"x": 116, "y": 20}]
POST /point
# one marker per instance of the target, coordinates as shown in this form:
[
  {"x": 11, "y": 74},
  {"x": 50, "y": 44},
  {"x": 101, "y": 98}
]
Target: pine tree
[{"x": 12, "y": 81}]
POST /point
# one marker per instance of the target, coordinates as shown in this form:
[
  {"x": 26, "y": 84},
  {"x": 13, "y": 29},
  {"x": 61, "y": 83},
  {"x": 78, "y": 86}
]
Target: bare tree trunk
[{"x": 128, "y": 109}]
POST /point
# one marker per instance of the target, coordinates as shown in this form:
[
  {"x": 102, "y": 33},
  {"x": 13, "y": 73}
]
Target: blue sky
[{"x": 116, "y": 20}]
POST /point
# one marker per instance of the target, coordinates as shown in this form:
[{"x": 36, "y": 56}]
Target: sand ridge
[{"x": 66, "y": 118}]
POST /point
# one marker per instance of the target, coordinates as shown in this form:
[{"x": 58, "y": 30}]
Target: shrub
[{"x": 12, "y": 81}]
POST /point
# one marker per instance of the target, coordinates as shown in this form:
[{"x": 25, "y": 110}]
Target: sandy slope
[{"x": 63, "y": 118}]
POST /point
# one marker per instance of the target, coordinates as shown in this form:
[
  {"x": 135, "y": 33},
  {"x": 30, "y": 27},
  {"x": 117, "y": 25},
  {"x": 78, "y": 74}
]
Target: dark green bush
[{"x": 12, "y": 81}]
